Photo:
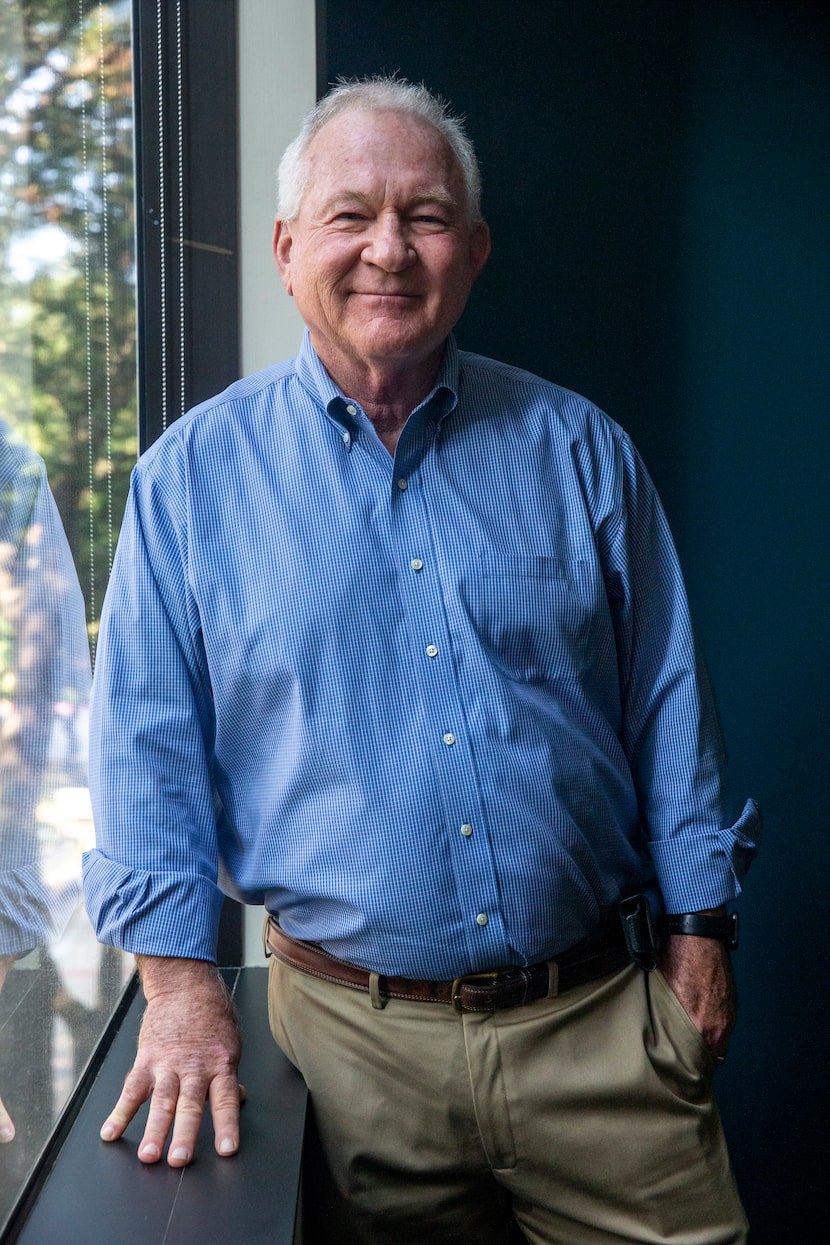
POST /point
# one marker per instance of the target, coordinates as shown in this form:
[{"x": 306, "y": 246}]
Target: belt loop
[
  {"x": 378, "y": 999},
  {"x": 265, "y": 925},
  {"x": 553, "y": 979}
]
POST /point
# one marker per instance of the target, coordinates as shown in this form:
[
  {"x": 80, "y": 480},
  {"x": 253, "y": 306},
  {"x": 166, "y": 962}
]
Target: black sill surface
[{"x": 98, "y": 1192}]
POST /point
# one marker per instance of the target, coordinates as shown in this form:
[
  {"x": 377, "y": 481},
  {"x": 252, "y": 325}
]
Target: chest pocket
[{"x": 537, "y": 616}]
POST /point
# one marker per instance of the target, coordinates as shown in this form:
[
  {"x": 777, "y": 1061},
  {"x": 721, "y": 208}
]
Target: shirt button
[
  {"x": 449, "y": 739},
  {"x": 416, "y": 564},
  {"x": 466, "y": 830},
  {"x": 403, "y": 484},
  {"x": 346, "y": 438},
  {"x": 351, "y": 408},
  {"x": 482, "y": 918},
  {"x": 431, "y": 650}
]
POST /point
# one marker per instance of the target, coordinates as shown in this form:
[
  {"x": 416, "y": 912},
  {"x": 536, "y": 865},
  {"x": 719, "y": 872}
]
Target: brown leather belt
[{"x": 601, "y": 953}]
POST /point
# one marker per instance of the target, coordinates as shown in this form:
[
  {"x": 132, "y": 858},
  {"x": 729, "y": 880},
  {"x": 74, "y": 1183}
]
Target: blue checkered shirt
[{"x": 440, "y": 713}]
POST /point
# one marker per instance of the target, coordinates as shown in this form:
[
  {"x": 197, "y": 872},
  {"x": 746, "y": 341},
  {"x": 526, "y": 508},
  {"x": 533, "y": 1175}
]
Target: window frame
[{"x": 187, "y": 209}]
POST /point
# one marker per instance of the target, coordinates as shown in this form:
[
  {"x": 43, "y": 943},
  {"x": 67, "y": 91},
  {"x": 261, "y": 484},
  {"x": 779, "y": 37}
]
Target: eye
[{"x": 429, "y": 221}]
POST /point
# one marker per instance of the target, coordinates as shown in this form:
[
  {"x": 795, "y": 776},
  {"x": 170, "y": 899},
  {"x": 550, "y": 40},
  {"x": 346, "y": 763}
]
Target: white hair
[{"x": 378, "y": 94}]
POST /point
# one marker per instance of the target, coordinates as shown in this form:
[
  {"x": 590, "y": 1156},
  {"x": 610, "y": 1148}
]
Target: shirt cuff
[
  {"x": 164, "y": 914},
  {"x": 706, "y": 870}
]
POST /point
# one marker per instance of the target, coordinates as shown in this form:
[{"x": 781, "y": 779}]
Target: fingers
[
  {"x": 226, "y": 1096},
  {"x": 136, "y": 1091},
  {"x": 179, "y": 1106},
  {"x": 6, "y": 1125}
]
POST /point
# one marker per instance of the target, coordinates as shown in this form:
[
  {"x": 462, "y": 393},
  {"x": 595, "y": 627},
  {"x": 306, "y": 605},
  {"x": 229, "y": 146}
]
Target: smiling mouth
[{"x": 384, "y": 294}]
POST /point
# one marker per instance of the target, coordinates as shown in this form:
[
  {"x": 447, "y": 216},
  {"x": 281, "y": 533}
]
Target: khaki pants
[{"x": 589, "y": 1118}]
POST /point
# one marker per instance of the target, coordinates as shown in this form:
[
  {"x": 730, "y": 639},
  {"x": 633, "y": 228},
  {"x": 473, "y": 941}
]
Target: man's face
[{"x": 380, "y": 260}]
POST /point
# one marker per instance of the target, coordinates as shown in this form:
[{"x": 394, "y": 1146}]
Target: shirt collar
[{"x": 314, "y": 378}]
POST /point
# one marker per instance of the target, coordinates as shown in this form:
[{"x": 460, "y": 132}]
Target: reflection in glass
[
  {"x": 44, "y": 692},
  {"x": 67, "y": 444}
]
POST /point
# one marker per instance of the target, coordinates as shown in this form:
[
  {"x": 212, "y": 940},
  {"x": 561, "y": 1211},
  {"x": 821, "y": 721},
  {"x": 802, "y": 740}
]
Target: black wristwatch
[{"x": 724, "y": 928}]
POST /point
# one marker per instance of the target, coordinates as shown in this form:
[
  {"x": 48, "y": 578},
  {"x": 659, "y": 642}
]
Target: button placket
[{"x": 428, "y": 606}]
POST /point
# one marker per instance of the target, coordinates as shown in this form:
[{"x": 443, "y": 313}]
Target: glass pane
[{"x": 67, "y": 443}]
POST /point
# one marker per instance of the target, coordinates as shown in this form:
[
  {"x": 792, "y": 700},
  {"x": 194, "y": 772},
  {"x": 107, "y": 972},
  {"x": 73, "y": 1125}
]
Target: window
[
  {"x": 118, "y": 296},
  {"x": 68, "y": 439}
]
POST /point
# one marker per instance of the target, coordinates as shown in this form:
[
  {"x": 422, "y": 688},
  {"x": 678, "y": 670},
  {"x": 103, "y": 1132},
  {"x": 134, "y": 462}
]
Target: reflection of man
[
  {"x": 7, "y": 1129},
  {"x": 412, "y": 621},
  {"x": 44, "y": 661}
]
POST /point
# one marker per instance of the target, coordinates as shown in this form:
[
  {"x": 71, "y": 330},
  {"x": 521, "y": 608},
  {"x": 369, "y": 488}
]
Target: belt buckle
[{"x": 459, "y": 981}]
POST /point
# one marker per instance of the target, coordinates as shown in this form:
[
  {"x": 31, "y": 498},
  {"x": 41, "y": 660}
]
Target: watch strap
[{"x": 724, "y": 928}]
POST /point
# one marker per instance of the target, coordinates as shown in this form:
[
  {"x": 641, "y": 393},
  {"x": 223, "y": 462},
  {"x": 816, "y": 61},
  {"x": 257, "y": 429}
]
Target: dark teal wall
[{"x": 657, "y": 179}]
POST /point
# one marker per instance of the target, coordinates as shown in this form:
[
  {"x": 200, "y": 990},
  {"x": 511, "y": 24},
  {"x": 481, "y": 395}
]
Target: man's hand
[
  {"x": 699, "y": 972},
  {"x": 6, "y": 1122},
  {"x": 188, "y": 1052}
]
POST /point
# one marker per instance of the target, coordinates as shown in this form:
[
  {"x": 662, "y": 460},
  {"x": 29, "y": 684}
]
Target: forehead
[{"x": 361, "y": 150}]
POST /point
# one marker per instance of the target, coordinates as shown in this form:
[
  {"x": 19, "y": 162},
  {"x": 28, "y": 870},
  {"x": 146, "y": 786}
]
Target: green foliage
[{"x": 67, "y": 292}]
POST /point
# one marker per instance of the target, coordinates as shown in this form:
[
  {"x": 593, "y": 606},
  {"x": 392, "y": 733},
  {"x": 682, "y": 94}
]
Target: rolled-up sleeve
[
  {"x": 671, "y": 728},
  {"x": 151, "y": 883}
]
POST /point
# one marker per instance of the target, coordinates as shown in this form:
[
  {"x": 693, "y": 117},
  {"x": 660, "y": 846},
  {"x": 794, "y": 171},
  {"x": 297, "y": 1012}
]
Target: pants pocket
[{"x": 675, "y": 1047}]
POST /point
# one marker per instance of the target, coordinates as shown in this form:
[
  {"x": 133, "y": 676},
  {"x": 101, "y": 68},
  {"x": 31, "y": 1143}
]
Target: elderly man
[{"x": 396, "y": 638}]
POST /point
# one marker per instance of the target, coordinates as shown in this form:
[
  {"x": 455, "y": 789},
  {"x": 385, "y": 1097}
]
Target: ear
[
  {"x": 281, "y": 246},
  {"x": 479, "y": 247}
]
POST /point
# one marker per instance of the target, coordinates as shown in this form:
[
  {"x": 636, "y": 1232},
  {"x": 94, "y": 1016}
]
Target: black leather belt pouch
[{"x": 644, "y": 930}]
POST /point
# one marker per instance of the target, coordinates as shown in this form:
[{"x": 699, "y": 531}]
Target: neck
[
  {"x": 388, "y": 391},
  {"x": 389, "y": 407}
]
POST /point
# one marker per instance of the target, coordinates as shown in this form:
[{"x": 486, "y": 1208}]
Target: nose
[{"x": 388, "y": 246}]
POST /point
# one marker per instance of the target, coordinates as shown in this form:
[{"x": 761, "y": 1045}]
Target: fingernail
[
  {"x": 6, "y": 1132},
  {"x": 227, "y": 1146},
  {"x": 107, "y": 1132},
  {"x": 179, "y": 1155},
  {"x": 150, "y": 1151}
]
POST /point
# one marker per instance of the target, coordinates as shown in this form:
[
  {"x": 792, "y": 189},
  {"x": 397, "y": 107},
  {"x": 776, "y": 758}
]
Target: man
[{"x": 397, "y": 636}]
